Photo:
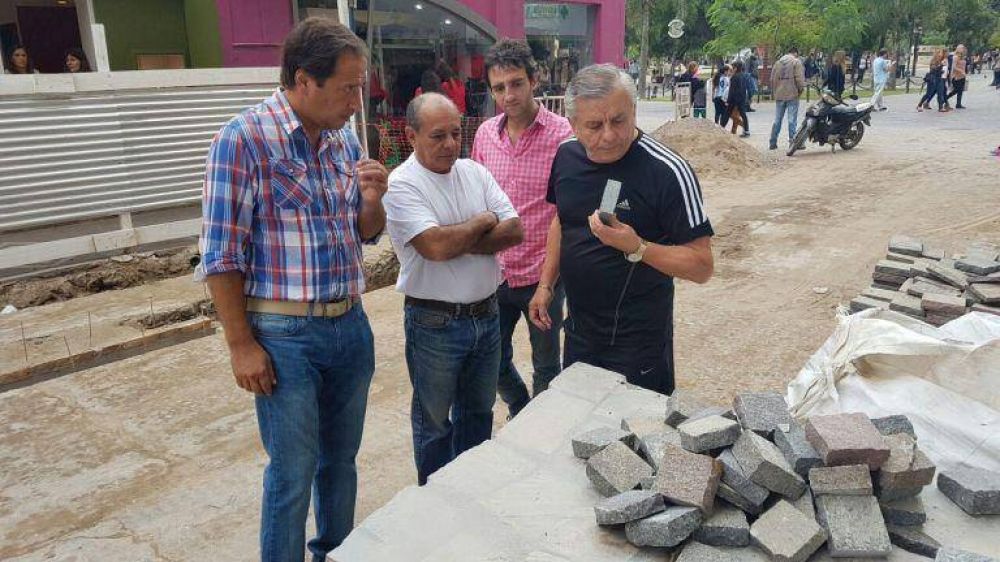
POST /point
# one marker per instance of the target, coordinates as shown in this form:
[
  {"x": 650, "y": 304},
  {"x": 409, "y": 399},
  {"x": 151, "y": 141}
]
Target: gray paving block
[
  {"x": 681, "y": 405},
  {"x": 665, "y": 529},
  {"x": 734, "y": 498},
  {"x": 786, "y": 534},
  {"x": 761, "y": 412},
  {"x": 726, "y": 527},
  {"x": 948, "y": 275},
  {"x": 949, "y": 554},
  {"x": 889, "y": 267},
  {"x": 908, "y": 305},
  {"x": 906, "y": 245},
  {"x": 932, "y": 254},
  {"x": 644, "y": 424},
  {"x": 796, "y": 448},
  {"x": 751, "y": 496},
  {"x": 892, "y": 256},
  {"x": 587, "y": 381},
  {"x": 616, "y": 469},
  {"x": 855, "y": 526},
  {"x": 897, "y": 423},
  {"x": 913, "y": 539},
  {"x": 805, "y": 504},
  {"x": 906, "y": 512},
  {"x": 845, "y": 439},
  {"x": 764, "y": 464},
  {"x": 713, "y": 411},
  {"x": 878, "y": 294},
  {"x": 975, "y": 490},
  {"x": 943, "y": 305},
  {"x": 889, "y": 279},
  {"x": 986, "y": 293},
  {"x": 983, "y": 250},
  {"x": 851, "y": 480},
  {"x": 895, "y": 494},
  {"x": 647, "y": 482},
  {"x": 907, "y": 466},
  {"x": 588, "y": 443},
  {"x": 695, "y": 551},
  {"x": 712, "y": 432},
  {"x": 628, "y": 506},
  {"x": 688, "y": 479},
  {"x": 653, "y": 445},
  {"x": 864, "y": 303},
  {"x": 977, "y": 265},
  {"x": 550, "y": 425},
  {"x": 924, "y": 285}
]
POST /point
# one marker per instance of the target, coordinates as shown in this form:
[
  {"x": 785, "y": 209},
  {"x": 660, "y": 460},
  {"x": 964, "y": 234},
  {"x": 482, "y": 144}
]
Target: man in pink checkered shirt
[{"x": 517, "y": 147}]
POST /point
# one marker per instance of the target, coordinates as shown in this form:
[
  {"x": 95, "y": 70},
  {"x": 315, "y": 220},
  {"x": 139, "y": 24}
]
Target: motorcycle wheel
[
  {"x": 799, "y": 140},
  {"x": 853, "y": 136}
]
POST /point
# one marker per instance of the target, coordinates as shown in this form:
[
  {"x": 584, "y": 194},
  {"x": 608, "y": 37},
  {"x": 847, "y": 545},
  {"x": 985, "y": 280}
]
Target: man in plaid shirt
[
  {"x": 517, "y": 147},
  {"x": 288, "y": 200}
]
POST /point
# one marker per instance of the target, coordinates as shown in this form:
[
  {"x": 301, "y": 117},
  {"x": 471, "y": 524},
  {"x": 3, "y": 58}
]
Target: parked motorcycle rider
[{"x": 788, "y": 81}]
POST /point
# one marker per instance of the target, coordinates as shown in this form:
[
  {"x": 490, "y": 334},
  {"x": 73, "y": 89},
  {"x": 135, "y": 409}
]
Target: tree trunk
[
  {"x": 647, "y": 8},
  {"x": 381, "y": 270}
]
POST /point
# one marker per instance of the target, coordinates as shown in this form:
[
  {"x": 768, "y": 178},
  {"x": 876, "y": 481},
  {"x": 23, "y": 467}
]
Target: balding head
[
  {"x": 430, "y": 101},
  {"x": 434, "y": 128}
]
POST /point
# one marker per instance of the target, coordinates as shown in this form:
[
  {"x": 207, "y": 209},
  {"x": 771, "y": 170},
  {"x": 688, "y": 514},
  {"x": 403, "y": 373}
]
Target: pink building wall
[{"x": 252, "y": 30}]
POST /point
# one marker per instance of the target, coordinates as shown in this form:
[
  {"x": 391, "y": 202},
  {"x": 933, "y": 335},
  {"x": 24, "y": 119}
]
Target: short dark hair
[
  {"x": 794, "y": 50},
  {"x": 511, "y": 53},
  {"x": 79, "y": 55},
  {"x": 882, "y": 52},
  {"x": 737, "y": 66},
  {"x": 315, "y": 45}
]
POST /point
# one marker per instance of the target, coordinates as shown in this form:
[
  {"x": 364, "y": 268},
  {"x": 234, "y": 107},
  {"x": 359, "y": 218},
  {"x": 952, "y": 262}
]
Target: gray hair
[
  {"x": 416, "y": 105},
  {"x": 598, "y": 81}
]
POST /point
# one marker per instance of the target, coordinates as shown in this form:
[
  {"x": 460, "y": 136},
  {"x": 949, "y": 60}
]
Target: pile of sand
[{"x": 712, "y": 152}]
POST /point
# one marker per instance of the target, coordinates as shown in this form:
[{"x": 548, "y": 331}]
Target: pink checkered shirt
[{"x": 522, "y": 170}]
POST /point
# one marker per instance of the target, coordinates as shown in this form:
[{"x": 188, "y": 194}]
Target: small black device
[{"x": 606, "y": 218}]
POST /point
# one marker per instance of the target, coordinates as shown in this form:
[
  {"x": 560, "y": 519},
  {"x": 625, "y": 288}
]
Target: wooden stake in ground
[
  {"x": 24, "y": 342},
  {"x": 90, "y": 331}
]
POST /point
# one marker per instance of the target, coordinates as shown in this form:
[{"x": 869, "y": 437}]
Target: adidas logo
[{"x": 624, "y": 205}]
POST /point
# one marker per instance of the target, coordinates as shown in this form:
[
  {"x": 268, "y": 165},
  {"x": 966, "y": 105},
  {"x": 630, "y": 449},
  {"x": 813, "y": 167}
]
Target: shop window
[
  {"x": 47, "y": 29},
  {"x": 561, "y": 37}
]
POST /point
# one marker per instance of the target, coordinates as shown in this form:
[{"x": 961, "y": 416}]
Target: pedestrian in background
[
  {"x": 880, "y": 76},
  {"x": 736, "y": 103},
  {"x": 698, "y": 96},
  {"x": 958, "y": 75},
  {"x": 835, "y": 76},
  {"x": 788, "y": 81},
  {"x": 720, "y": 92},
  {"x": 936, "y": 79}
]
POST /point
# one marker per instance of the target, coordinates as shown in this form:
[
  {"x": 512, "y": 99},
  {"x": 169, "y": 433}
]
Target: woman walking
[
  {"x": 835, "y": 77},
  {"x": 936, "y": 78},
  {"x": 958, "y": 74},
  {"x": 737, "y": 101},
  {"x": 720, "y": 93}
]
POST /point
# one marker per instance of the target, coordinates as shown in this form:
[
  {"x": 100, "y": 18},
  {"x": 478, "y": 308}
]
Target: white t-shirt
[{"x": 419, "y": 199}]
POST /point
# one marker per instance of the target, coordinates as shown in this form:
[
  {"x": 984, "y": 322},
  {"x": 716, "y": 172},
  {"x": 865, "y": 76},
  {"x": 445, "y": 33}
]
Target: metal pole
[{"x": 344, "y": 14}]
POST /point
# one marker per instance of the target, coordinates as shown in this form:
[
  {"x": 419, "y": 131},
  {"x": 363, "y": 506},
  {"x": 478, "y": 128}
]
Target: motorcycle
[{"x": 832, "y": 121}]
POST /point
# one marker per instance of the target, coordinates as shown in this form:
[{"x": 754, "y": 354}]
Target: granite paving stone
[
  {"x": 986, "y": 309},
  {"x": 681, "y": 405},
  {"x": 736, "y": 479},
  {"x": 665, "y": 529},
  {"x": 895, "y": 494},
  {"x": 897, "y": 423},
  {"x": 855, "y": 526},
  {"x": 761, "y": 412},
  {"x": 889, "y": 279},
  {"x": 906, "y": 245},
  {"x": 695, "y": 551},
  {"x": 878, "y": 294},
  {"x": 922, "y": 286},
  {"x": 913, "y": 539},
  {"x": 850, "y": 480},
  {"x": 786, "y": 534},
  {"x": 932, "y": 254},
  {"x": 986, "y": 293},
  {"x": 844, "y": 439},
  {"x": 948, "y": 275},
  {"x": 643, "y": 425},
  {"x": 589, "y": 443},
  {"x": 949, "y": 554},
  {"x": 734, "y": 498},
  {"x": 977, "y": 265},
  {"x": 805, "y": 504},
  {"x": 796, "y": 448},
  {"x": 943, "y": 305},
  {"x": 712, "y": 432},
  {"x": 628, "y": 506},
  {"x": 906, "y": 512},
  {"x": 688, "y": 479},
  {"x": 653, "y": 445},
  {"x": 713, "y": 411},
  {"x": 764, "y": 464},
  {"x": 975, "y": 490},
  {"x": 616, "y": 469},
  {"x": 907, "y": 304},
  {"x": 903, "y": 258},
  {"x": 907, "y": 466},
  {"x": 726, "y": 527},
  {"x": 890, "y": 267}
]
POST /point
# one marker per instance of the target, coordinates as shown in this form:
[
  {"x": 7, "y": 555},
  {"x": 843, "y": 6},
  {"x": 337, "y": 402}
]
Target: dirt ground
[{"x": 157, "y": 457}]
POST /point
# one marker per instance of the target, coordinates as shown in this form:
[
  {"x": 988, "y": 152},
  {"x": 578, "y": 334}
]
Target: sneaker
[
  {"x": 772, "y": 147},
  {"x": 883, "y": 109},
  {"x": 959, "y": 107},
  {"x": 744, "y": 135}
]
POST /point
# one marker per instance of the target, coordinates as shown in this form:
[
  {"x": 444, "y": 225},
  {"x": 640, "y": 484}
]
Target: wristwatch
[{"x": 636, "y": 256}]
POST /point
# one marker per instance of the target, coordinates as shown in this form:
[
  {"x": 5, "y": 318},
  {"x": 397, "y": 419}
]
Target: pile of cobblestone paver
[
  {"x": 927, "y": 284},
  {"x": 752, "y": 483}
]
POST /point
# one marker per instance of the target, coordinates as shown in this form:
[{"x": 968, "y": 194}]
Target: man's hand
[
  {"x": 373, "y": 179},
  {"x": 252, "y": 368},
  {"x": 618, "y": 235},
  {"x": 538, "y": 308}
]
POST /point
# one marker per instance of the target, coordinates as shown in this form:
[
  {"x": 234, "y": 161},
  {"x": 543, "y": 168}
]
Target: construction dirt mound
[{"x": 713, "y": 152}]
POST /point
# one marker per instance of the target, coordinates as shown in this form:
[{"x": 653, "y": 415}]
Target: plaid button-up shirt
[
  {"x": 283, "y": 214},
  {"x": 522, "y": 170}
]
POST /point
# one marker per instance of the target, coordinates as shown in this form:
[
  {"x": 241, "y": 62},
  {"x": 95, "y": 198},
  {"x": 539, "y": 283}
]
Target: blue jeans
[
  {"x": 544, "y": 344},
  {"x": 311, "y": 427},
  {"x": 780, "y": 107},
  {"x": 453, "y": 363}
]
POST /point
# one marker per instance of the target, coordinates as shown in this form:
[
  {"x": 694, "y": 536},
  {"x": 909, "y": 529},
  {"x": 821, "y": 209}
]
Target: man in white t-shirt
[{"x": 447, "y": 219}]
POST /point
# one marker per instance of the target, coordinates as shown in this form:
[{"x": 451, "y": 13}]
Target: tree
[{"x": 780, "y": 23}]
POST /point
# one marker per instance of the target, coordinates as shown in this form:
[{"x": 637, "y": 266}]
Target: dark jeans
[
  {"x": 936, "y": 88},
  {"x": 646, "y": 362},
  {"x": 311, "y": 427},
  {"x": 957, "y": 88},
  {"x": 544, "y": 344},
  {"x": 721, "y": 118},
  {"x": 453, "y": 362}
]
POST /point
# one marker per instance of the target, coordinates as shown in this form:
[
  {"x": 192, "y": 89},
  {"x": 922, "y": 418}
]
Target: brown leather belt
[
  {"x": 478, "y": 309},
  {"x": 290, "y": 308}
]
